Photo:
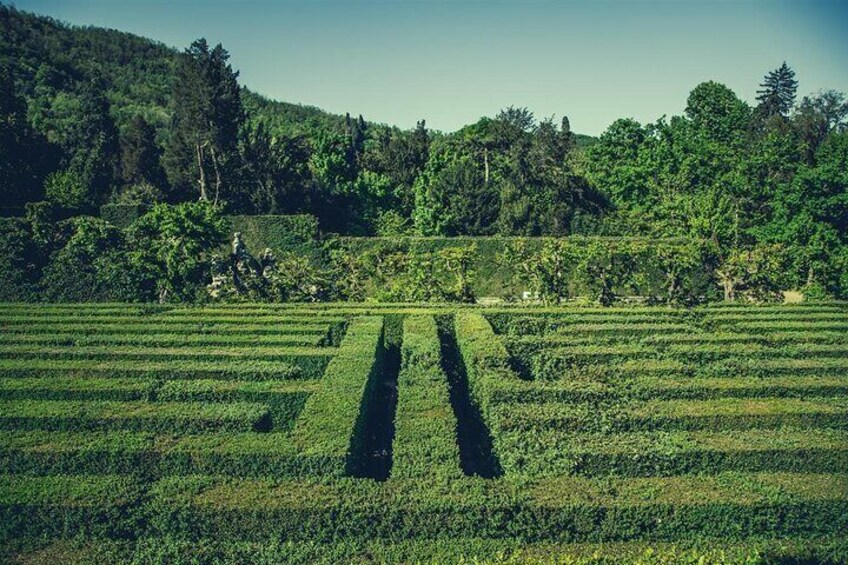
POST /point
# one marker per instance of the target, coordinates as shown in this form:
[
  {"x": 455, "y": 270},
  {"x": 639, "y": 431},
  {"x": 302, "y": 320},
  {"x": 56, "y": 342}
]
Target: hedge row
[
  {"x": 165, "y": 340},
  {"x": 148, "y": 416},
  {"x": 729, "y": 505},
  {"x": 244, "y": 369},
  {"x": 713, "y": 414},
  {"x": 330, "y": 425},
  {"x": 284, "y": 399},
  {"x": 562, "y": 368},
  {"x": 813, "y": 549},
  {"x": 646, "y": 388},
  {"x": 787, "y": 326},
  {"x": 425, "y": 444},
  {"x": 306, "y": 357},
  {"x": 812, "y": 306},
  {"x": 788, "y": 316},
  {"x": 487, "y": 366},
  {"x": 32, "y": 507},
  {"x": 549, "y": 360},
  {"x": 235, "y": 454},
  {"x": 69, "y": 388},
  {"x": 521, "y": 324},
  {"x": 553, "y": 452},
  {"x": 775, "y": 340},
  {"x": 302, "y": 328},
  {"x": 166, "y": 320}
]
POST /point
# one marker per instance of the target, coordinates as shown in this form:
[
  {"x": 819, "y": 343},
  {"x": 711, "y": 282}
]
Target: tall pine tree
[
  {"x": 777, "y": 92},
  {"x": 202, "y": 153}
]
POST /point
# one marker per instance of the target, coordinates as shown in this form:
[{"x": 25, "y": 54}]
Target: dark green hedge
[
  {"x": 296, "y": 233},
  {"x": 32, "y": 507},
  {"x": 822, "y": 550}
]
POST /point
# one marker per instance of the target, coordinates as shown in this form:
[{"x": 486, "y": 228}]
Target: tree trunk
[
  {"x": 202, "y": 180},
  {"x": 486, "y": 165},
  {"x": 217, "y": 173}
]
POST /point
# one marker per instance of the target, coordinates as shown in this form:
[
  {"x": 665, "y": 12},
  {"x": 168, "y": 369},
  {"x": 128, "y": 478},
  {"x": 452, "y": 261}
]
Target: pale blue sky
[{"x": 452, "y": 62}]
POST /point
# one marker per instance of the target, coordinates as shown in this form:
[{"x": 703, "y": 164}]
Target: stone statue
[
  {"x": 267, "y": 263},
  {"x": 239, "y": 250}
]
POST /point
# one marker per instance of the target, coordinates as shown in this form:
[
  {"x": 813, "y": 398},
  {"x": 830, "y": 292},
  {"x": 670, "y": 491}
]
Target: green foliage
[
  {"x": 68, "y": 190},
  {"x": 123, "y": 215},
  {"x": 207, "y": 115},
  {"x": 404, "y": 270},
  {"x": 296, "y": 232},
  {"x": 173, "y": 247},
  {"x": 652, "y": 430},
  {"x": 754, "y": 273},
  {"x": 88, "y": 266},
  {"x": 20, "y": 262},
  {"x": 604, "y": 268},
  {"x": 67, "y": 415}
]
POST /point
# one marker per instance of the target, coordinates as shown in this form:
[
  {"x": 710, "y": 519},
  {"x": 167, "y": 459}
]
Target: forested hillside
[{"x": 92, "y": 116}]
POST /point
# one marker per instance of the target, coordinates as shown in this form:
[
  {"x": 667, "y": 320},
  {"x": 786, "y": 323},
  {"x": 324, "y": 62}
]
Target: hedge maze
[{"x": 365, "y": 432}]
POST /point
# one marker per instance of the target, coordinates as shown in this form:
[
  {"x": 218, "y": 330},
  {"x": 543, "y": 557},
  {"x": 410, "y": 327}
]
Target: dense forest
[{"x": 91, "y": 116}]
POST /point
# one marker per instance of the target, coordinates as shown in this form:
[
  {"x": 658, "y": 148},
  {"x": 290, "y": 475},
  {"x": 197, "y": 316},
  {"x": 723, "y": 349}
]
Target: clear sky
[{"x": 452, "y": 62}]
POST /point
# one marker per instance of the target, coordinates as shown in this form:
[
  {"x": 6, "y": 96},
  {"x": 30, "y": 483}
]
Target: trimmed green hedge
[
  {"x": 307, "y": 368},
  {"x": 137, "y": 328},
  {"x": 646, "y": 388},
  {"x": 303, "y": 339},
  {"x": 729, "y": 506},
  {"x": 329, "y": 425},
  {"x": 554, "y": 452},
  {"x": 70, "y": 388},
  {"x": 295, "y": 233},
  {"x": 236, "y": 454},
  {"x": 285, "y": 399},
  {"x": 425, "y": 444},
  {"x": 713, "y": 414},
  {"x": 487, "y": 366},
  {"x": 70, "y": 415},
  {"x": 815, "y": 549},
  {"x": 66, "y": 505}
]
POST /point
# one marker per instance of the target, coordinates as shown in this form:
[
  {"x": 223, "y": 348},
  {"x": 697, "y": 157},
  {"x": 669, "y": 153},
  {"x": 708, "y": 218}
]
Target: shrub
[
  {"x": 173, "y": 247},
  {"x": 20, "y": 261},
  {"x": 84, "y": 268}
]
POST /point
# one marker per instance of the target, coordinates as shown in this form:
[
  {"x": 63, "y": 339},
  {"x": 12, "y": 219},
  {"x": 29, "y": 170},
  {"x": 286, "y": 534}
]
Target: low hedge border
[
  {"x": 66, "y": 415},
  {"x": 425, "y": 443}
]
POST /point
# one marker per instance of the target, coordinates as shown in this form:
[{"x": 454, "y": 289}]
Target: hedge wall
[
  {"x": 296, "y": 233},
  {"x": 491, "y": 276}
]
